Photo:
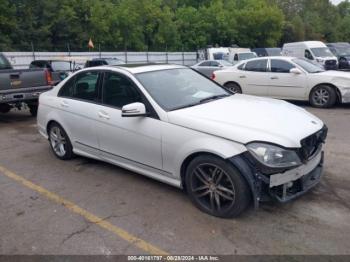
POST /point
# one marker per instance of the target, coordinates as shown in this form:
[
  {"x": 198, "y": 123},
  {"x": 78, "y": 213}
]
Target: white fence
[{"x": 23, "y": 59}]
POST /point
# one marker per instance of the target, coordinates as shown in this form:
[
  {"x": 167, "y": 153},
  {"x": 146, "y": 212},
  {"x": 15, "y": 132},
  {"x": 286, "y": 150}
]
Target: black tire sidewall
[
  {"x": 332, "y": 96},
  {"x": 235, "y": 85},
  {"x": 33, "y": 109},
  {"x": 242, "y": 196},
  {"x": 69, "y": 148}
]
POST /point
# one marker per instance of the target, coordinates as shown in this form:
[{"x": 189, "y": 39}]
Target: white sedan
[
  {"x": 172, "y": 124},
  {"x": 287, "y": 78}
]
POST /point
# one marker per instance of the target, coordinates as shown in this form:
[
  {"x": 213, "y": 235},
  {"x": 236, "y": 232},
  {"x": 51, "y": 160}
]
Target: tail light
[
  {"x": 212, "y": 76},
  {"x": 48, "y": 77}
]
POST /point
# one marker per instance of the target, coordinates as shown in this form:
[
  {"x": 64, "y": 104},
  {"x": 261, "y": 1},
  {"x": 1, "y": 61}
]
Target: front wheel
[
  {"x": 233, "y": 87},
  {"x": 216, "y": 187},
  {"x": 60, "y": 143},
  {"x": 323, "y": 96}
]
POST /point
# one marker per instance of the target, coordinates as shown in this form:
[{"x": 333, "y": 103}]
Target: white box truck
[{"x": 315, "y": 51}]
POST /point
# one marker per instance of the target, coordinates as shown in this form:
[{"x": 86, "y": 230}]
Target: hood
[{"x": 244, "y": 118}]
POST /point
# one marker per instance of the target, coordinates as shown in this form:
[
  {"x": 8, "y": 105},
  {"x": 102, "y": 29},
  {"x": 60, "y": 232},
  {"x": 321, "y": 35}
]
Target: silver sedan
[{"x": 207, "y": 67}]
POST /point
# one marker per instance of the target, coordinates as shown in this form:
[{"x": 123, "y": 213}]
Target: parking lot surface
[{"x": 33, "y": 221}]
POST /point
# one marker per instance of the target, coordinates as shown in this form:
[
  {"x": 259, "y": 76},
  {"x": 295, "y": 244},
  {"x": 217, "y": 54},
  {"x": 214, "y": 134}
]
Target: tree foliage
[{"x": 168, "y": 24}]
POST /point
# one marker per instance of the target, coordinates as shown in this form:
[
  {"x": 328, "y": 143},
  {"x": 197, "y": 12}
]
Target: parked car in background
[
  {"x": 103, "y": 61},
  {"x": 315, "y": 51},
  {"x": 59, "y": 69},
  {"x": 342, "y": 52},
  {"x": 271, "y": 51},
  {"x": 240, "y": 54},
  {"x": 207, "y": 67},
  {"x": 213, "y": 53},
  {"x": 21, "y": 86},
  {"x": 173, "y": 124},
  {"x": 287, "y": 78}
]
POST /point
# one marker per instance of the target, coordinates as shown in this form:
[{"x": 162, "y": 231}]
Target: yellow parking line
[{"x": 142, "y": 244}]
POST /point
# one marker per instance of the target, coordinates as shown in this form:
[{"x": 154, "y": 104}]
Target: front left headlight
[{"x": 274, "y": 156}]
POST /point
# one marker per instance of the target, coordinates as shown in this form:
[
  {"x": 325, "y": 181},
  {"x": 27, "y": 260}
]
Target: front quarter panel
[{"x": 179, "y": 142}]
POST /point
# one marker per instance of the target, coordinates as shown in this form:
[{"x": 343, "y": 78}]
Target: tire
[
  {"x": 323, "y": 96},
  {"x": 5, "y": 108},
  {"x": 60, "y": 142},
  {"x": 33, "y": 109},
  {"x": 233, "y": 87},
  {"x": 216, "y": 187}
]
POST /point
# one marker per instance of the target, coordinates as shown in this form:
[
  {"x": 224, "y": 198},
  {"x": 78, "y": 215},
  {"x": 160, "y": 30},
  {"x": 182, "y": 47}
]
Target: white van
[
  {"x": 315, "y": 51},
  {"x": 240, "y": 54}
]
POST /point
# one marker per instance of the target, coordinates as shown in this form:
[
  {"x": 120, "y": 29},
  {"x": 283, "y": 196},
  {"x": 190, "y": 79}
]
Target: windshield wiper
[
  {"x": 212, "y": 98},
  {"x": 185, "y": 106}
]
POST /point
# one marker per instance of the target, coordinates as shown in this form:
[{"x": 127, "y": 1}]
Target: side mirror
[
  {"x": 295, "y": 71},
  {"x": 133, "y": 110}
]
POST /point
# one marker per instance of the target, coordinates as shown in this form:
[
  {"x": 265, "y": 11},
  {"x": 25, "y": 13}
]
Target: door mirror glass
[
  {"x": 133, "y": 110},
  {"x": 295, "y": 71}
]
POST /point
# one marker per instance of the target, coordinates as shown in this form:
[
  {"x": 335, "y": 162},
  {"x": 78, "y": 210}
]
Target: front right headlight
[{"x": 274, "y": 156}]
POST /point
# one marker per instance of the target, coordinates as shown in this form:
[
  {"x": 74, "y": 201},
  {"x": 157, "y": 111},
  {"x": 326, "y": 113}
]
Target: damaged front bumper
[{"x": 284, "y": 186}]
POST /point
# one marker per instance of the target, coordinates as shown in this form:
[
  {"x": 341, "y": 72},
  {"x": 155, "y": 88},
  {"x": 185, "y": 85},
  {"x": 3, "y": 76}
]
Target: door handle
[
  {"x": 274, "y": 77},
  {"x": 64, "y": 104},
  {"x": 103, "y": 115},
  {"x": 242, "y": 77}
]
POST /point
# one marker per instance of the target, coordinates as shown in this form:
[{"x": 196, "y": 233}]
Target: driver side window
[
  {"x": 280, "y": 66},
  {"x": 118, "y": 91},
  {"x": 308, "y": 55}
]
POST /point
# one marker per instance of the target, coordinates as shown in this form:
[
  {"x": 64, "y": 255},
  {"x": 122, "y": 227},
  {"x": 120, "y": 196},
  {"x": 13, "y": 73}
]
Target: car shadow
[{"x": 16, "y": 116}]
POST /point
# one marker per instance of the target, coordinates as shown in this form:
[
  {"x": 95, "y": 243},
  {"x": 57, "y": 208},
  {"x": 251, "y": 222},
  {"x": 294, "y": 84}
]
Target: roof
[
  {"x": 306, "y": 43},
  {"x": 142, "y": 68}
]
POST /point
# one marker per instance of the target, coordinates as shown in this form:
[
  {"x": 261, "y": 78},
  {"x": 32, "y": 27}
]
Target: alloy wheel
[
  {"x": 58, "y": 141},
  {"x": 321, "y": 97},
  {"x": 213, "y": 188}
]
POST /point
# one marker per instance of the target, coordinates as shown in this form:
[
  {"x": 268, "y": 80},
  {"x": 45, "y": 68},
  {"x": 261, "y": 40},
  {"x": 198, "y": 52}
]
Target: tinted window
[
  {"x": 61, "y": 66},
  {"x": 308, "y": 55},
  {"x": 206, "y": 63},
  {"x": 84, "y": 86},
  {"x": 119, "y": 91},
  {"x": 280, "y": 66},
  {"x": 214, "y": 63},
  {"x": 241, "y": 66},
  {"x": 256, "y": 65}
]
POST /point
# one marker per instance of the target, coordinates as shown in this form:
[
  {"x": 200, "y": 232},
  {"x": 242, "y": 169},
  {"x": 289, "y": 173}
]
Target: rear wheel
[
  {"x": 60, "y": 143},
  {"x": 5, "y": 108},
  {"x": 233, "y": 87},
  {"x": 33, "y": 109},
  {"x": 323, "y": 96},
  {"x": 216, "y": 187}
]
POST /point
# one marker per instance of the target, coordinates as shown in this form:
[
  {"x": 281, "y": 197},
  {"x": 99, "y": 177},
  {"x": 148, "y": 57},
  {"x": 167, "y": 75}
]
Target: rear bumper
[{"x": 22, "y": 94}]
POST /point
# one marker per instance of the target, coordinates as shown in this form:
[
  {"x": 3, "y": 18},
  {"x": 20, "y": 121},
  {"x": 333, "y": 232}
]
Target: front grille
[
  {"x": 311, "y": 144},
  {"x": 331, "y": 62}
]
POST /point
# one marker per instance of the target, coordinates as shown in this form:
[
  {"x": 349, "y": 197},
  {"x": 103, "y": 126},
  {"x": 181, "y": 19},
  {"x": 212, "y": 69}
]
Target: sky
[{"x": 336, "y": 1}]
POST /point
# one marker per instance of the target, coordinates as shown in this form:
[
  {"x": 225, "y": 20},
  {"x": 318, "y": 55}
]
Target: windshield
[
  {"x": 114, "y": 61},
  {"x": 343, "y": 51},
  {"x": 4, "y": 64},
  {"x": 178, "y": 88},
  {"x": 225, "y": 63},
  {"x": 60, "y": 66},
  {"x": 321, "y": 52},
  {"x": 308, "y": 66},
  {"x": 245, "y": 56}
]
